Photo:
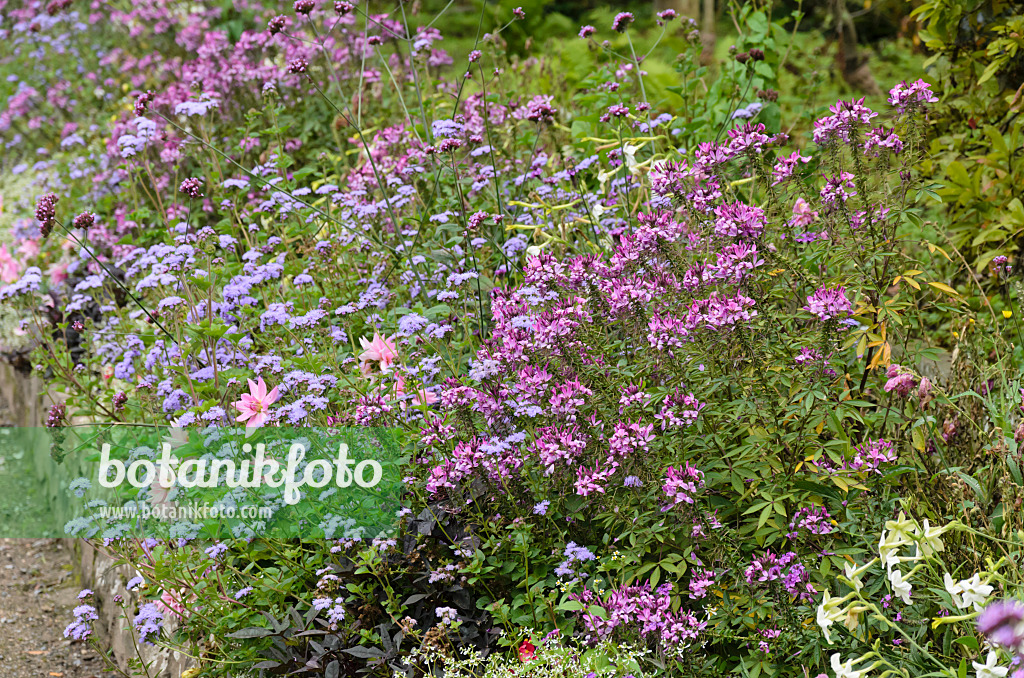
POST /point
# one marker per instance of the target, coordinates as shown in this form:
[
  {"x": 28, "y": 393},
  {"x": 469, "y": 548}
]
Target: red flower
[{"x": 526, "y": 651}]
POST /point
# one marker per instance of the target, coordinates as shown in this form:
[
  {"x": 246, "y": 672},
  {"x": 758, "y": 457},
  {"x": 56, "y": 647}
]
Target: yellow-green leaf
[{"x": 945, "y": 288}]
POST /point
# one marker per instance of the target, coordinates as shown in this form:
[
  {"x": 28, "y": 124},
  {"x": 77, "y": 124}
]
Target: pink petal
[
  {"x": 272, "y": 397},
  {"x": 253, "y": 389}
]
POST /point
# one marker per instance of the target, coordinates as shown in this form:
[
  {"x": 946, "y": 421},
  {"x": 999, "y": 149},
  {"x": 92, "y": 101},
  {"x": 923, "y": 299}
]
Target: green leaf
[
  {"x": 955, "y": 171},
  {"x": 992, "y": 69},
  {"x": 917, "y": 435},
  {"x": 975, "y": 485},
  {"x": 970, "y": 642},
  {"x": 758, "y": 25},
  {"x": 1011, "y": 464}
]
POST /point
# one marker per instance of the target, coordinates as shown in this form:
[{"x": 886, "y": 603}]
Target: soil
[{"x": 37, "y": 594}]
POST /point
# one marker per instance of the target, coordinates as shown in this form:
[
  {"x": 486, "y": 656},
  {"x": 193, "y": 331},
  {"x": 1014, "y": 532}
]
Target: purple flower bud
[
  {"x": 84, "y": 221},
  {"x": 142, "y": 103},
  {"x": 277, "y": 24},
  {"x": 46, "y": 212},
  {"x": 622, "y": 21},
  {"x": 190, "y": 187}
]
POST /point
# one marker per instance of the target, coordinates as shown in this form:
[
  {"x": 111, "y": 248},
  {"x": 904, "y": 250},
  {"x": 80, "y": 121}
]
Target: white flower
[
  {"x": 928, "y": 538},
  {"x": 954, "y": 589},
  {"x": 902, "y": 530},
  {"x": 828, "y": 614},
  {"x": 989, "y": 668},
  {"x": 845, "y": 670},
  {"x": 900, "y": 587},
  {"x": 888, "y": 545},
  {"x": 975, "y": 593},
  {"x": 853, "y": 576},
  {"x": 890, "y": 557},
  {"x": 629, "y": 155}
]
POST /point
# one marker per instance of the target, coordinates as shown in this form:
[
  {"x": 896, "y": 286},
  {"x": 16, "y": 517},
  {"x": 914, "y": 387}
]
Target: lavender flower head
[
  {"x": 148, "y": 622},
  {"x": 81, "y": 628}
]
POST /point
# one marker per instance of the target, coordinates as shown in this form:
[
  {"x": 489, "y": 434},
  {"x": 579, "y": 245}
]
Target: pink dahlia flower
[
  {"x": 255, "y": 405},
  {"x": 380, "y": 350}
]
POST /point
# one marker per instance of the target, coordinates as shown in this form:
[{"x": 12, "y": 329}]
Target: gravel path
[{"x": 37, "y": 594}]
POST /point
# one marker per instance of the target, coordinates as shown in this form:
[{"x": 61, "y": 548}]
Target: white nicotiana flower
[
  {"x": 990, "y": 669},
  {"x": 629, "y": 155},
  {"x": 928, "y": 538},
  {"x": 974, "y": 592},
  {"x": 954, "y": 589},
  {"x": 828, "y": 614},
  {"x": 603, "y": 177},
  {"x": 853, "y": 576},
  {"x": 887, "y": 543},
  {"x": 845, "y": 669},
  {"x": 900, "y": 586},
  {"x": 902, "y": 530}
]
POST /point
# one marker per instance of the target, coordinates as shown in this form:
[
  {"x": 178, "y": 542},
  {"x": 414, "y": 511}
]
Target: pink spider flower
[
  {"x": 255, "y": 405},
  {"x": 380, "y": 350}
]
